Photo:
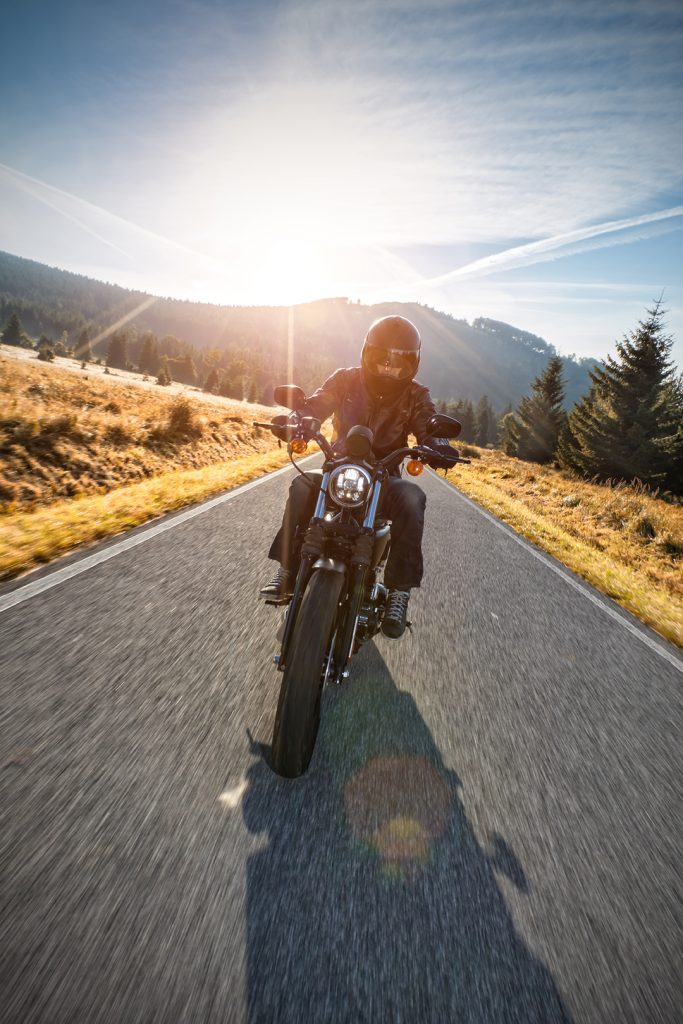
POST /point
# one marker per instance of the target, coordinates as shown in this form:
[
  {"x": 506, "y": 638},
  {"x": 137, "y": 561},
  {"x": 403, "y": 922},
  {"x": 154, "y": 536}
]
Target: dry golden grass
[
  {"x": 28, "y": 539},
  {"x": 64, "y": 435},
  {"x": 623, "y": 540},
  {"x": 81, "y": 460}
]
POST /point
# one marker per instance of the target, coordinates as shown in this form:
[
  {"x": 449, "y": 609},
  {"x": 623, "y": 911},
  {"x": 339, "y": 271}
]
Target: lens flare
[{"x": 398, "y": 807}]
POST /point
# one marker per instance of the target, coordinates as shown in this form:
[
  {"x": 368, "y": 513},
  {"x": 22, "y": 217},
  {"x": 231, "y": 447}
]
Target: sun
[{"x": 292, "y": 270}]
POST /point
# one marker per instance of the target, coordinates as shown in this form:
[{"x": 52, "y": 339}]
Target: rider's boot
[
  {"x": 280, "y": 587},
  {"x": 396, "y": 613}
]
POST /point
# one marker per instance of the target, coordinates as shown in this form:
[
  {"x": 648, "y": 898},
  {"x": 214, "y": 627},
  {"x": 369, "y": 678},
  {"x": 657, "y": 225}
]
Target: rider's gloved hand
[
  {"x": 444, "y": 456},
  {"x": 283, "y": 424}
]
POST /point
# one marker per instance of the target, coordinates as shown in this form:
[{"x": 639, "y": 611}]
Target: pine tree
[
  {"x": 213, "y": 380},
  {"x": 502, "y": 426},
  {"x": 164, "y": 378},
  {"x": 46, "y": 350},
  {"x": 540, "y": 417},
  {"x": 186, "y": 372},
  {"x": 117, "y": 351},
  {"x": 630, "y": 425},
  {"x": 82, "y": 350},
  {"x": 14, "y": 333},
  {"x": 149, "y": 354},
  {"x": 463, "y": 410},
  {"x": 484, "y": 422}
]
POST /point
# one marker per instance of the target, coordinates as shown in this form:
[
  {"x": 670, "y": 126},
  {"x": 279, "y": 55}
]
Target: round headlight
[{"x": 349, "y": 486}]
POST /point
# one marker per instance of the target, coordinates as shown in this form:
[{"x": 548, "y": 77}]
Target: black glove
[
  {"x": 284, "y": 426},
  {"x": 444, "y": 455}
]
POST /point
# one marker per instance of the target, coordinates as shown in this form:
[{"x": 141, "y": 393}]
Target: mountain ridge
[{"x": 459, "y": 359}]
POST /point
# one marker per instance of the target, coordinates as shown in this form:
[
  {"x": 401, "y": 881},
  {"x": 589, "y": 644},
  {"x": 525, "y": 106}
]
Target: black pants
[{"x": 402, "y": 501}]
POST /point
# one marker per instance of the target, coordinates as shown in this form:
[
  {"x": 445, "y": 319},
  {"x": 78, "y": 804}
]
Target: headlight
[{"x": 349, "y": 486}]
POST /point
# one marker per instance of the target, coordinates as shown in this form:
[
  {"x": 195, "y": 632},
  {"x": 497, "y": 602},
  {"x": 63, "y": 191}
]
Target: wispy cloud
[{"x": 569, "y": 243}]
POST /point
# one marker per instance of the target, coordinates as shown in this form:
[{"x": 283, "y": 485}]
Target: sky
[{"x": 517, "y": 160}]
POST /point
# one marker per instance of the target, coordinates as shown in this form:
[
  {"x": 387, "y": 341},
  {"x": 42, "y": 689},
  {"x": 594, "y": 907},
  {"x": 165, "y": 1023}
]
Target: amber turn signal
[
  {"x": 299, "y": 446},
  {"x": 414, "y": 467}
]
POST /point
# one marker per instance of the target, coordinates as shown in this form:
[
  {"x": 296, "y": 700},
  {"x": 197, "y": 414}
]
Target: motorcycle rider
[{"x": 383, "y": 395}]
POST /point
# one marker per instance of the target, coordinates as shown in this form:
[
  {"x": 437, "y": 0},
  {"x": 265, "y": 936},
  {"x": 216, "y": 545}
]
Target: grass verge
[
  {"x": 596, "y": 531},
  {"x": 29, "y": 539}
]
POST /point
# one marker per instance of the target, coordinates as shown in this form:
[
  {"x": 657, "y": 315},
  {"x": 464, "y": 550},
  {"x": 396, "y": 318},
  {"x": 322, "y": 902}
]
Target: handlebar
[
  {"x": 282, "y": 431},
  {"x": 419, "y": 452}
]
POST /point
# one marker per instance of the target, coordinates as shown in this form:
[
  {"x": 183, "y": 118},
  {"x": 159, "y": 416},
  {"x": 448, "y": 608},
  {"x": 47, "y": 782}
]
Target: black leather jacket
[{"x": 345, "y": 397}]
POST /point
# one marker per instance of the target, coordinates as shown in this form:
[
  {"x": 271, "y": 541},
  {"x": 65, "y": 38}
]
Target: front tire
[{"x": 298, "y": 710}]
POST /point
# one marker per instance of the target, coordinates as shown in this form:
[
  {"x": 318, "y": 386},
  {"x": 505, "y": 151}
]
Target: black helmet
[{"x": 390, "y": 356}]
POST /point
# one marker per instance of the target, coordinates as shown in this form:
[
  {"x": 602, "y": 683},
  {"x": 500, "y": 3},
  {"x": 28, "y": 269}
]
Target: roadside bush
[
  {"x": 182, "y": 421},
  {"x": 118, "y": 434},
  {"x": 468, "y": 451}
]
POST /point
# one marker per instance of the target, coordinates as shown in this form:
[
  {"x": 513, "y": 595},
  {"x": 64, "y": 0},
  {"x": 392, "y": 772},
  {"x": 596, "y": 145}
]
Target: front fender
[{"x": 331, "y": 564}]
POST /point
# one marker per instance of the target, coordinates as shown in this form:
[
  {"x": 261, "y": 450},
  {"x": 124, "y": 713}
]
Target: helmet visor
[{"x": 392, "y": 363}]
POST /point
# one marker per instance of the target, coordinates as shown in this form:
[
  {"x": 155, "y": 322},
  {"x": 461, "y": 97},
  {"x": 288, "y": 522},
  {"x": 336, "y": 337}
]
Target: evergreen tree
[
  {"x": 540, "y": 417},
  {"x": 484, "y": 424},
  {"x": 82, "y": 350},
  {"x": 213, "y": 380},
  {"x": 149, "y": 354},
  {"x": 463, "y": 410},
  {"x": 184, "y": 369},
  {"x": 501, "y": 426},
  {"x": 164, "y": 378},
  {"x": 46, "y": 350},
  {"x": 14, "y": 333},
  {"x": 117, "y": 351},
  {"x": 630, "y": 425},
  {"x": 232, "y": 384}
]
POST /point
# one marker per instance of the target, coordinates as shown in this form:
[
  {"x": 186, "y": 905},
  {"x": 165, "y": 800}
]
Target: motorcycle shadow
[{"x": 372, "y": 899}]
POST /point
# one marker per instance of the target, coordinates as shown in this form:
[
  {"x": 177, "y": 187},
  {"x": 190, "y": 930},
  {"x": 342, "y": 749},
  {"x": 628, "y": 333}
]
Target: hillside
[
  {"x": 459, "y": 359},
  {"x": 67, "y": 433}
]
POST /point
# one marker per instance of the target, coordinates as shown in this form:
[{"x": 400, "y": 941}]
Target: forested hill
[{"x": 459, "y": 359}]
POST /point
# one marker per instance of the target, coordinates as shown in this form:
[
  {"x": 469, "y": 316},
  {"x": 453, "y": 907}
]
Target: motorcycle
[{"x": 338, "y": 600}]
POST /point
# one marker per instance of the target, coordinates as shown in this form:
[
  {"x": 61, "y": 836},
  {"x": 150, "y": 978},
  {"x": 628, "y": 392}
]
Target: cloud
[{"x": 565, "y": 244}]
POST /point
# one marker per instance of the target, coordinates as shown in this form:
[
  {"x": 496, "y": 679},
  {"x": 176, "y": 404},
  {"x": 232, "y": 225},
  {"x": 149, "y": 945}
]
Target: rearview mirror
[
  {"x": 289, "y": 395},
  {"x": 444, "y": 426}
]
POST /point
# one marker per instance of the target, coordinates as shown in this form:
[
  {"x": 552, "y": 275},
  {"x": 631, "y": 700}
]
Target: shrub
[
  {"x": 645, "y": 528},
  {"x": 468, "y": 451},
  {"x": 182, "y": 422},
  {"x": 118, "y": 434}
]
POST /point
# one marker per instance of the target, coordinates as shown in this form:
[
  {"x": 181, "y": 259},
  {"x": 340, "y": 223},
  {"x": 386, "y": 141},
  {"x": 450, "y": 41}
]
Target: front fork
[
  {"x": 302, "y": 579},
  {"x": 344, "y": 646},
  {"x": 344, "y": 642}
]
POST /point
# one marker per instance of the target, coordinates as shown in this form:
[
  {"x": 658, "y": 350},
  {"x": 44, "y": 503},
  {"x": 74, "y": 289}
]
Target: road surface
[{"x": 489, "y": 830}]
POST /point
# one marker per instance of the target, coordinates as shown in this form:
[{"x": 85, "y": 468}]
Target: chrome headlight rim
[{"x": 345, "y": 502}]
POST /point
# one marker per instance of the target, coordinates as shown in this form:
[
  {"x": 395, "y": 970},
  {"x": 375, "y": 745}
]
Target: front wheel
[{"x": 298, "y": 710}]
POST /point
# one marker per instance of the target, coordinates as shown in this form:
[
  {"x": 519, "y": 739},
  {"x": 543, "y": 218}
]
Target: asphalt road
[{"x": 490, "y": 829}]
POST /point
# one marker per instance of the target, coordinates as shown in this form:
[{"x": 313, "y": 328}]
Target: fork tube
[
  {"x": 371, "y": 513},
  {"x": 320, "y": 506}
]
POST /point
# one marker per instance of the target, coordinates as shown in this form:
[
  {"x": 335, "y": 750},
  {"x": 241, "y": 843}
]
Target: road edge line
[
  {"x": 564, "y": 573},
  {"x": 54, "y": 579}
]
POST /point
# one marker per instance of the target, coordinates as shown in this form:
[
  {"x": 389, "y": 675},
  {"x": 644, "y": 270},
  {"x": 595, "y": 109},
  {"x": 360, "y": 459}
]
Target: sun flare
[{"x": 293, "y": 270}]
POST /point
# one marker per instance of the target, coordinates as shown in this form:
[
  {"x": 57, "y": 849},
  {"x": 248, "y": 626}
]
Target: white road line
[
  {"x": 564, "y": 574},
  {"x": 30, "y": 590}
]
